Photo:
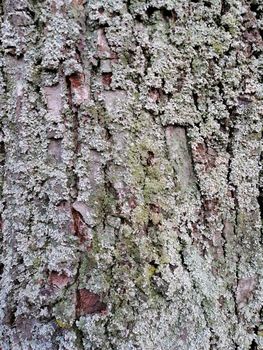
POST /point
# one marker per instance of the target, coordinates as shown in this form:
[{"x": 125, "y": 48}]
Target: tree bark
[{"x": 131, "y": 182}]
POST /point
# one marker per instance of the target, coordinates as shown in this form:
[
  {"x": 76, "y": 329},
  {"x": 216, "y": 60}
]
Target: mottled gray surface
[{"x": 131, "y": 135}]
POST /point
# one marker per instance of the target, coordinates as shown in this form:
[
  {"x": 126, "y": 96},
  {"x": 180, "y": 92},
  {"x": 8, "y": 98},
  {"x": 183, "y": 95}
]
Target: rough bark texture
[{"x": 130, "y": 174}]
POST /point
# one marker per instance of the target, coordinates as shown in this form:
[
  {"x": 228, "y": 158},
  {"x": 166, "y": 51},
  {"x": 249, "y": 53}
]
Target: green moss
[
  {"x": 260, "y": 330},
  {"x": 108, "y": 202},
  {"x": 199, "y": 65},
  {"x": 37, "y": 262},
  {"x": 96, "y": 246},
  {"x": 152, "y": 189},
  {"x": 105, "y": 203},
  {"x": 96, "y": 113},
  {"x": 241, "y": 218},
  {"x": 144, "y": 282},
  {"x": 256, "y": 136},
  {"x": 154, "y": 172},
  {"x": 150, "y": 271},
  {"x": 218, "y": 47},
  {"x": 140, "y": 215},
  {"x": 62, "y": 324},
  {"x": 150, "y": 178},
  {"x": 138, "y": 173},
  {"x": 87, "y": 264},
  {"x": 232, "y": 23},
  {"x": 156, "y": 218},
  {"x": 132, "y": 249},
  {"x": 164, "y": 259},
  {"x": 64, "y": 310}
]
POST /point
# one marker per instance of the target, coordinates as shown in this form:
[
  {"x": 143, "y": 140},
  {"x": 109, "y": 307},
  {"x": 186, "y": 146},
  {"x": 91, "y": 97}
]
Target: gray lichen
[{"x": 130, "y": 174}]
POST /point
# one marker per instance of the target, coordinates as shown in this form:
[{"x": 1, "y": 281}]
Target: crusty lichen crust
[{"x": 130, "y": 158}]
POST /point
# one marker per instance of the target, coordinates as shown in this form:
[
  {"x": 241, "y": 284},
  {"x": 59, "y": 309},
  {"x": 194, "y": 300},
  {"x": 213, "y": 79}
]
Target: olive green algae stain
[{"x": 155, "y": 146}]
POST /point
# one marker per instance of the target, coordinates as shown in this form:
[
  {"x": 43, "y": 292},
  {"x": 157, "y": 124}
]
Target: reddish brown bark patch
[
  {"x": 80, "y": 229},
  {"x": 132, "y": 202},
  {"x": 76, "y": 80},
  {"x": 106, "y": 79},
  {"x": 89, "y": 303},
  {"x": 205, "y": 156},
  {"x": 59, "y": 280},
  {"x": 79, "y": 88}
]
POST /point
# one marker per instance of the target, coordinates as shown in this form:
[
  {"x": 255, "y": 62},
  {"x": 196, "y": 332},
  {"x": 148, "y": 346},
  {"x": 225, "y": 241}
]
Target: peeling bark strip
[{"x": 131, "y": 175}]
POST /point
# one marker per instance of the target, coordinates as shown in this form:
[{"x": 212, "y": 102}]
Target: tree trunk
[{"x": 130, "y": 174}]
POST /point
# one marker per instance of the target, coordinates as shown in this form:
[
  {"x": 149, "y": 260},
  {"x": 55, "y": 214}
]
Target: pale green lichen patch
[{"x": 130, "y": 164}]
